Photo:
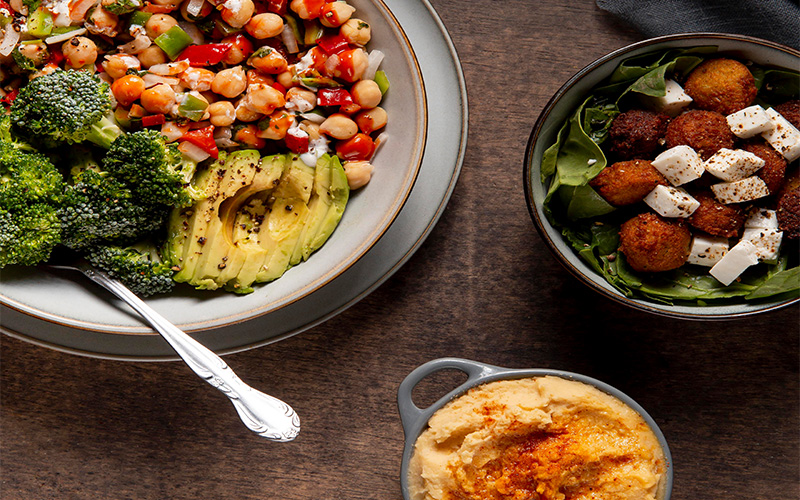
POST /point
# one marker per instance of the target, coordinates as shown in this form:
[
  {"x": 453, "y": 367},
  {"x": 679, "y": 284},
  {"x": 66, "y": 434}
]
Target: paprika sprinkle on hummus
[{"x": 543, "y": 438}]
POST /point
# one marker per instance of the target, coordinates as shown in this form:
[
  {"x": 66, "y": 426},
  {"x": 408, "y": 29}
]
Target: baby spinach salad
[{"x": 591, "y": 225}]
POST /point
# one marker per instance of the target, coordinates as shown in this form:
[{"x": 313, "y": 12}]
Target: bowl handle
[{"x": 410, "y": 414}]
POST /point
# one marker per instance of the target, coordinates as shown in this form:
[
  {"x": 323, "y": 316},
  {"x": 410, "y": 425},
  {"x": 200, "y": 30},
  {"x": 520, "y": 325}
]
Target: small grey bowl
[
  {"x": 415, "y": 419},
  {"x": 563, "y": 103}
]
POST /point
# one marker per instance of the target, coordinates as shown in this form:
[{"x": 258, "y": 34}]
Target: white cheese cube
[
  {"x": 762, "y": 218},
  {"x": 734, "y": 263},
  {"x": 750, "y": 122},
  {"x": 784, "y": 137},
  {"x": 679, "y": 165},
  {"x": 672, "y": 102},
  {"x": 707, "y": 250},
  {"x": 766, "y": 241},
  {"x": 740, "y": 191},
  {"x": 733, "y": 164},
  {"x": 669, "y": 201}
]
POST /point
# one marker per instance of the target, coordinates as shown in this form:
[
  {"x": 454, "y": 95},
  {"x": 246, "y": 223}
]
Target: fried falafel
[
  {"x": 627, "y": 182},
  {"x": 704, "y": 131},
  {"x": 653, "y": 244},
  {"x": 774, "y": 170},
  {"x": 637, "y": 133},
  {"x": 716, "y": 218},
  {"x": 791, "y": 111},
  {"x": 721, "y": 85}
]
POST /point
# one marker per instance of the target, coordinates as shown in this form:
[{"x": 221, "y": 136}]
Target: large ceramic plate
[{"x": 82, "y": 319}]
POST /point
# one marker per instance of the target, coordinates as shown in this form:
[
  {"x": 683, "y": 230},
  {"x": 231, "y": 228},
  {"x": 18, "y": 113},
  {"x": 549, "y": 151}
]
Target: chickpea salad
[
  {"x": 677, "y": 179},
  {"x": 192, "y": 93}
]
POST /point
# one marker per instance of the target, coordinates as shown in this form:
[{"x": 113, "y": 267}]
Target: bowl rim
[
  {"x": 540, "y": 223},
  {"x": 415, "y": 420}
]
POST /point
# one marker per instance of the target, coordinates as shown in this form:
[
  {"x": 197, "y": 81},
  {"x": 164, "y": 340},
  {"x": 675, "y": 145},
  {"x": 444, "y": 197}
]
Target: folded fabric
[{"x": 776, "y": 20}]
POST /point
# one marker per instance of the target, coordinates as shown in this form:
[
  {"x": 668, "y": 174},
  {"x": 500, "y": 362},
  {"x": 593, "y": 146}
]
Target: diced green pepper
[
  {"x": 192, "y": 107},
  {"x": 314, "y": 31},
  {"x": 139, "y": 18},
  {"x": 319, "y": 82},
  {"x": 382, "y": 81},
  {"x": 60, "y": 30},
  {"x": 226, "y": 29},
  {"x": 40, "y": 23},
  {"x": 292, "y": 22},
  {"x": 173, "y": 41}
]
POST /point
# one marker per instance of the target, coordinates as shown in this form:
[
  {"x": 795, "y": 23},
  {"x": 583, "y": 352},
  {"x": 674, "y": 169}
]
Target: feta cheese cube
[
  {"x": 734, "y": 263},
  {"x": 747, "y": 189},
  {"x": 733, "y": 164},
  {"x": 784, "y": 137},
  {"x": 761, "y": 218},
  {"x": 679, "y": 165},
  {"x": 707, "y": 250},
  {"x": 672, "y": 102},
  {"x": 669, "y": 201},
  {"x": 750, "y": 122},
  {"x": 766, "y": 241}
]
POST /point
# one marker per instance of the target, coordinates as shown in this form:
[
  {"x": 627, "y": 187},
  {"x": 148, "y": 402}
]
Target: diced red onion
[
  {"x": 193, "y": 31},
  {"x": 172, "y": 131},
  {"x": 151, "y": 80},
  {"x": 223, "y": 137},
  {"x": 9, "y": 40},
  {"x": 287, "y": 35},
  {"x": 193, "y": 152},
  {"x": 138, "y": 44},
  {"x": 63, "y": 37},
  {"x": 374, "y": 60},
  {"x": 193, "y": 7},
  {"x": 171, "y": 68}
]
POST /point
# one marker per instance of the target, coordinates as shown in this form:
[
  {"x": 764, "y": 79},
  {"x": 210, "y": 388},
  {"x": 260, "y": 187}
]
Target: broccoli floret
[
  {"x": 120, "y": 7},
  {"x": 29, "y": 235},
  {"x": 26, "y": 178},
  {"x": 139, "y": 267},
  {"x": 154, "y": 169},
  {"x": 99, "y": 209},
  {"x": 66, "y": 106}
]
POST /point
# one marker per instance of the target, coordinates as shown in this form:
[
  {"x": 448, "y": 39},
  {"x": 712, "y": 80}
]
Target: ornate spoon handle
[{"x": 263, "y": 414}]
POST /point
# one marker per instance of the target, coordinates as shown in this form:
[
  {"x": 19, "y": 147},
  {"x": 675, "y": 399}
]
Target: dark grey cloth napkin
[{"x": 776, "y": 20}]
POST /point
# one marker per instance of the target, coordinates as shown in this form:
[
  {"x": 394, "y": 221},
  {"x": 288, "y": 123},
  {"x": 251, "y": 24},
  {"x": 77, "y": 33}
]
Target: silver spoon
[{"x": 265, "y": 415}]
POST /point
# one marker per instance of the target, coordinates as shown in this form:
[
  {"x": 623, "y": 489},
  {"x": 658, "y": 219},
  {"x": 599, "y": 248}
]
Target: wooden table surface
[{"x": 483, "y": 286}]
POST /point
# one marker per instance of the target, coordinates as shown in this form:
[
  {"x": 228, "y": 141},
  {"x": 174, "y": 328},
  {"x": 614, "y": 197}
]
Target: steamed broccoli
[
  {"x": 154, "y": 169},
  {"x": 66, "y": 106},
  {"x": 99, "y": 209},
  {"x": 139, "y": 267},
  {"x": 30, "y": 192}
]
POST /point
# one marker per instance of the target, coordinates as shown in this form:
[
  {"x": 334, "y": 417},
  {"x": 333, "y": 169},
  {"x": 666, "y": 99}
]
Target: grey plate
[
  {"x": 415, "y": 419},
  {"x": 446, "y": 129},
  {"x": 565, "y": 101}
]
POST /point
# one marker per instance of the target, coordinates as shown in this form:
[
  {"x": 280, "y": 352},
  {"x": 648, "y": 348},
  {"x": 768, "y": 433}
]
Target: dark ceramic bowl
[
  {"x": 564, "y": 102},
  {"x": 415, "y": 419}
]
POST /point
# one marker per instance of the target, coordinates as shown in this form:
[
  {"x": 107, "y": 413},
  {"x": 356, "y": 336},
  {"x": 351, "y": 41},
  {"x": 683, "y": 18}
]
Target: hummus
[{"x": 543, "y": 438}]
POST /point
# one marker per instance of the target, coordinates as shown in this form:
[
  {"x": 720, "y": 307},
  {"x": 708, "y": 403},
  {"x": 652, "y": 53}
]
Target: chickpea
[
  {"x": 127, "y": 89},
  {"x": 241, "y": 48},
  {"x": 158, "y": 99},
  {"x": 35, "y": 52},
  {"x": 198, "y": 79},
  {"x": 339, "y": 126},
  {"x": 117, "y": 65},
  {"x": 221, "y": 113},
  {"x": 254, "y": 76},
  {"x": 237, "y": 13},
  {"x": 79, "y": 51},
  {"x": 300, "y": 99},
  {"x": 262, "y": 98},
  {"x": 268, "y": 60},
  {"x": 371, "y": 120},
  {"x": 335, "y": 14},
  {"x": 356, "y": 31},
  {"x": 348, "y": 65},
  {"x": 278, "y": 125},
  {"x": 158, "y": 24},
  {"x": 358, "y": 173},
  {"x": 265, "y": 25},
  {"x": 286, "y": 79},
  {"x": 366, "y": 93},
  {"x": 102, "y": 22},
  {"x": 301, "y": 9},
  {"x": 151, "y": 56},
  {"x": 248, "y": 135},
  {"x": 244, "y": 113},
  {"x": 230, "y": 82}
]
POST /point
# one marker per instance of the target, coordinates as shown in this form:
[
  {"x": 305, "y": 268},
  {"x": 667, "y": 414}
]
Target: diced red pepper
[
  {"x": 240, "y": 42},
  {"x": 159, "y": 9},
  {"x": 277, "y": 6},
  {"x": 359, "y": 148},
  {"x": 9, "y": 97},
  {"x": 208, "y": 54},
  {"x": 150, "y": 120},
  {"x": 56, "y": 56},
  {"x": 5, "y": 5},
  {"x": 203, "y": 138},
  {"x": 297, "y": 144},
  {"x": 334, "y": 97},
  {"x": 277, "y": 86},
  {"x": 333, "y": 44}
]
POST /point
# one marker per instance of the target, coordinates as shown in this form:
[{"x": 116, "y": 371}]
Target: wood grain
[{"x": 483, "y": 287}]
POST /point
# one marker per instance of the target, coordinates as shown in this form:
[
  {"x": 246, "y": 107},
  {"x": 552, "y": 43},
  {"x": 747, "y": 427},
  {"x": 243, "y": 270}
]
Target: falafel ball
[
  {"x": 721, "y": 85},
  {"x": 774, "y": 170},
  {"x": 637, "y": 134},
  {"x": 653, "y": 244},
  {"x": 791, "y": 111},
  {"x": 704, "y": 131},
  {"x": 627, "y": 182},
  {"x": 788, "y": 207},
  {"x": 716, "y": 218}
]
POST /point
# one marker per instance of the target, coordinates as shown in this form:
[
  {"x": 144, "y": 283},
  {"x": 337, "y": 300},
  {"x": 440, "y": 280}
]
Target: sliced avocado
[
  {"x": 284, "y": 226},
  {"x": 296, "y": 182},
  {"x": 338, "y": 193}
]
